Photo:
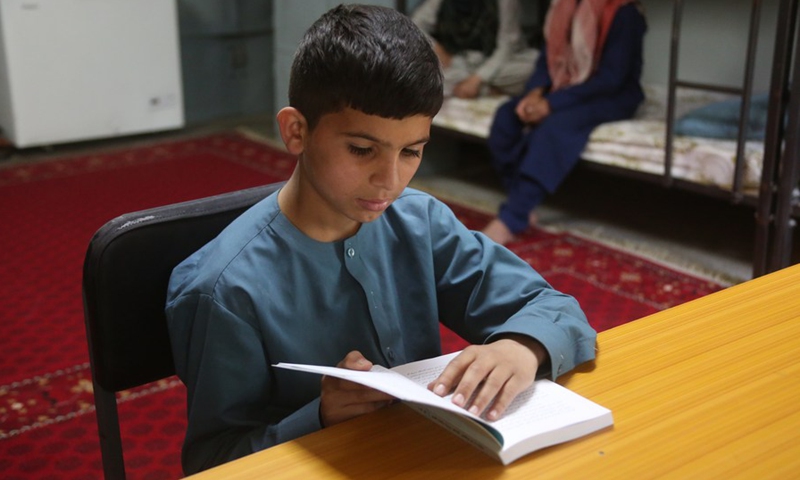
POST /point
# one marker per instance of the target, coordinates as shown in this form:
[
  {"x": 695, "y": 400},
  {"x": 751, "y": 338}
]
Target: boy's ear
[{"x": 293, "y": 128}]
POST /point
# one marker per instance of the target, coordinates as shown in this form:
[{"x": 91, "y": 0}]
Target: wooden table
[{"x": 708, "y": 389}]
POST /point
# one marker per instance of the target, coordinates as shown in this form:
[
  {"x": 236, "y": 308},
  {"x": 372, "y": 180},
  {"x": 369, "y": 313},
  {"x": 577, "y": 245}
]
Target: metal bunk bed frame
[
  {"x": 779, "y": 191},
  {"x": 778, "y": 198},
  {"x": 777, "y": 203}
]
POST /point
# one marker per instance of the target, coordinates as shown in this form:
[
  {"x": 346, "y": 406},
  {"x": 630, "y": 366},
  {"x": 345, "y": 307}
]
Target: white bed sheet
[{"x": 637, "y": 144}]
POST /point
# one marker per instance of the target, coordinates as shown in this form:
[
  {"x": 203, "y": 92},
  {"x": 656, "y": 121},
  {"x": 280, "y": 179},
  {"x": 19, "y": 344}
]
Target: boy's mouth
[{"x": 374, "y": 205}]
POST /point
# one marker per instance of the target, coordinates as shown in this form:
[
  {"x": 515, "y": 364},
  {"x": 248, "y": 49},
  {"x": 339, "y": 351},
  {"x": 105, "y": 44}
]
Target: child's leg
[
  {"x": 517, "y": 213},
  {"x": 524, "y": 196},
  {"x": 507, "y": 142},
  {"x": 511, "y": 78}
]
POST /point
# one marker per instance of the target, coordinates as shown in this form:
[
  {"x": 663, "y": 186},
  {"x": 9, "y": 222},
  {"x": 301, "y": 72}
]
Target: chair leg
[{"x": 108, "y": 428}]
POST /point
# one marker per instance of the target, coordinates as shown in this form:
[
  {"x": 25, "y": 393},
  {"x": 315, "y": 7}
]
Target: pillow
[{"x": 721, "y": 120}]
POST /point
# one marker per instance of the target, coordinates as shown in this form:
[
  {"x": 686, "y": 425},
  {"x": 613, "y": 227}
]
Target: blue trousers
[{"x": 533, "y": 160}]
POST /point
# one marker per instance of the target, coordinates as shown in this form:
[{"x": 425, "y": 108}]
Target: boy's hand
[
  {"x": 469, "y": 87},
  {"x": 533, "y": 107},
  {"x": 341, "y": 400},
  {"x": 494, "y": 374}
]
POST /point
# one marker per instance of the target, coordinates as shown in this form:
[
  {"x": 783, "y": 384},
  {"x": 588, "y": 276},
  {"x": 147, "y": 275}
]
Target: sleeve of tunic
[
  {"x": 541, "y": 76},
  {"x": 485, "y": 290},
  {"x": 222, "y": 361},
  {"x": 509, "y": 39}
]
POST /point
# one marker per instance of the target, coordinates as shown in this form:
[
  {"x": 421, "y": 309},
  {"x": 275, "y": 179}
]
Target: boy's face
[{"x": 354, "y": 165}]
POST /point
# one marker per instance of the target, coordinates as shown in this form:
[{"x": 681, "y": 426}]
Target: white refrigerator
[{"x": 73, "y": 70}]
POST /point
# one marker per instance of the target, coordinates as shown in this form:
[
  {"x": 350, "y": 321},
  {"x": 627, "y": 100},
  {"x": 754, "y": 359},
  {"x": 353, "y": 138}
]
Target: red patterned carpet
[{"x": 50, "y": 210}]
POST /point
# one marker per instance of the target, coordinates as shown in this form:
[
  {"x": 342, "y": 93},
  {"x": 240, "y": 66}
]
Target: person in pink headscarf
[{"x": 588, "y": 73}]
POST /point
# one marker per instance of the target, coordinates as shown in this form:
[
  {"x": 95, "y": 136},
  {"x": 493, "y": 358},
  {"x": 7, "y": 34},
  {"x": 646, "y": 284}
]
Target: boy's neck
[{"x": 311, "y": 221}]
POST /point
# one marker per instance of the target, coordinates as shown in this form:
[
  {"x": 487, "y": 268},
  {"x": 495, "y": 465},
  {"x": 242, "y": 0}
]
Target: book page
[
  {"x": 424, "y": 372},
  {"x": 388, "y": 381},
  {"x": 543, "y": 407}
]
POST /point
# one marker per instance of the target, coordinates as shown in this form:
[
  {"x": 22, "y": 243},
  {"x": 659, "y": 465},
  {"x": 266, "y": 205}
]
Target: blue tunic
[
  {"x": 263, "y": 293},
  {"x": 547, "y": 152}
]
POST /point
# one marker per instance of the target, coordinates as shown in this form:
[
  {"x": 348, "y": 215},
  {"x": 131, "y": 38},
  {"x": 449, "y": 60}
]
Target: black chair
[{"x": 125, "y": 276}]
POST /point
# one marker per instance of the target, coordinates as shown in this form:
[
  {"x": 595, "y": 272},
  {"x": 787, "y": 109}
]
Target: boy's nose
[{"x": 386, "y": 175}]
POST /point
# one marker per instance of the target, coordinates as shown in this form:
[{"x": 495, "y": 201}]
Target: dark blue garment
[{"x": 540, "y": 157}]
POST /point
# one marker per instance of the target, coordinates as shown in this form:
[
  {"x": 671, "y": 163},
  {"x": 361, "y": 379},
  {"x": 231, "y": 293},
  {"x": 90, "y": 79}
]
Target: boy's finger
[
  {"x": 452, "y": 374},
  {"x": 487, "y": 393},
  {"x": 474, "y": 376},
  {"x": 513, "y": 387},
  {"x": 355, "y": 361}
]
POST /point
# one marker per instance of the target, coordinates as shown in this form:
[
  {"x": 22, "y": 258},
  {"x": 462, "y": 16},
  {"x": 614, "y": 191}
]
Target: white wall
[
  {"x": 713, "y": 42},
  {"x": 292, "y": 18}
]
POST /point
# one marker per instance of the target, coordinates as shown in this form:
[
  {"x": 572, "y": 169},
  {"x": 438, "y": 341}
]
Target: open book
[{"x": 546, "y": 414}]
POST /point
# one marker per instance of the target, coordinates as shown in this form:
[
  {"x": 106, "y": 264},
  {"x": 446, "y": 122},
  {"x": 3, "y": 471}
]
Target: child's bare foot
[{"x": 497, "y": 231}]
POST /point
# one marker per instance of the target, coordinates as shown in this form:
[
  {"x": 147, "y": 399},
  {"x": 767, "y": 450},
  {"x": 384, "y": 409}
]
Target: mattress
[{"x": 639, "y": 143}]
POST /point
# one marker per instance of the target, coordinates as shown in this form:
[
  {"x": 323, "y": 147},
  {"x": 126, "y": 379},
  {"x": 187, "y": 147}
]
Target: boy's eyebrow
[{"x": 371, "y": 138}]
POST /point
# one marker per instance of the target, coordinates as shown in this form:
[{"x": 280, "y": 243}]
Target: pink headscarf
[{"x": 575, "y": 36}]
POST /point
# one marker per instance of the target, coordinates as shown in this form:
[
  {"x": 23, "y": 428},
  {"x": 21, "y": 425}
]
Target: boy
[{"x": 345, "y": 266}]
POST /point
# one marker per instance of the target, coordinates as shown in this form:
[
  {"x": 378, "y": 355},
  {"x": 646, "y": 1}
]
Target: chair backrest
[{"x": 125, "y": 276}]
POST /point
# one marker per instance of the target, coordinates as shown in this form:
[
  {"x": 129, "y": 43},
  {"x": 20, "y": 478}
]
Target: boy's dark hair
[{"x": 368, "y": 58}]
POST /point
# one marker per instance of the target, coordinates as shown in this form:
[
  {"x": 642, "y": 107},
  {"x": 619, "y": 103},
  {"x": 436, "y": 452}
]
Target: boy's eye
[
  {"x": 411, "y": 153},
  {"x": 360, "y": 151}
]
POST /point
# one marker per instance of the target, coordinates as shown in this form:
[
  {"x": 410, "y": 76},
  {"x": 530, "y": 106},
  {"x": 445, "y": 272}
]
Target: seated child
[
  {"x": 346, "y": 266},
  {"x": 588, "y": 74},
  {"x": 480, "y": 44}
]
